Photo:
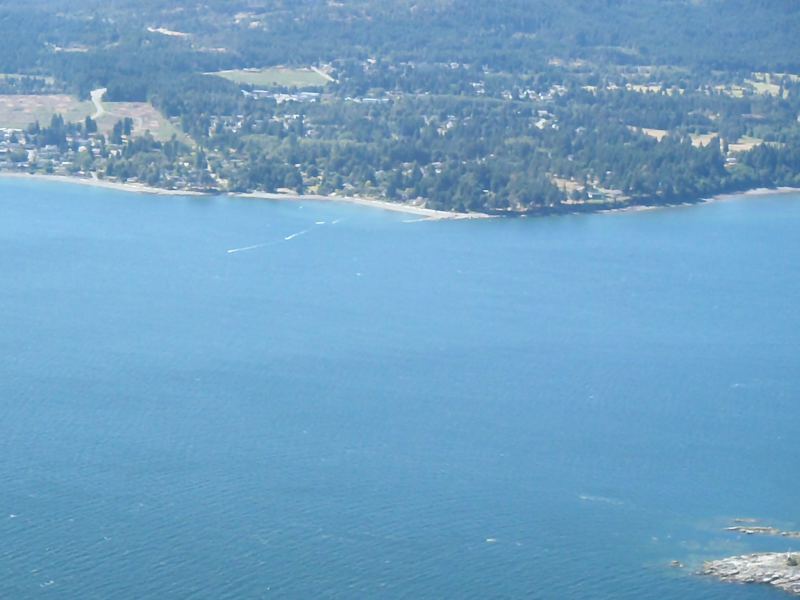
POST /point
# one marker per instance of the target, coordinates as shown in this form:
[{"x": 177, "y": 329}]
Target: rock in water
[{"x": 778, "y": 569}]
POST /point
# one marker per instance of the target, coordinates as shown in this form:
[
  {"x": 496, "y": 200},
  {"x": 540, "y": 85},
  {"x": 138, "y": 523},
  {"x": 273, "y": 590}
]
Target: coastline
[
  {"x": 750, "y": 193},
  {"x": 139, "y": 188},
  {"x": 428, "y": 214},
  {"x": 754, "y": 192},
  {"x": 424, "y": 214}
]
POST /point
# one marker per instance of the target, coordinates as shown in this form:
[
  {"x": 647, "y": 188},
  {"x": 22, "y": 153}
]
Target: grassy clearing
[
  {"x": 567, "y": 185},
  {"x": 145, "y": 118},
  {"x": 765, "y": 88},
  {"x": 763, "y": 84},
  {"x": 657, "y": 134},
  {"x": 595, "y": 192},
  {"x": 19, "y": 111},
  {"x": 745, "y": 144},
  {"x": 702, "y": 139},
  {"x": 770, "y": 83},
  {"x": 277, "y": 76},
  {"x": 776, "y": 77},
  {"x": 734, "y": 91}
]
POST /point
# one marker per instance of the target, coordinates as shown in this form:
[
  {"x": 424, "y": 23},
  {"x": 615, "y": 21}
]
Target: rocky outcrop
[
  {"x": 778, "y": 569},
  {"x": 758, "y": 530}
]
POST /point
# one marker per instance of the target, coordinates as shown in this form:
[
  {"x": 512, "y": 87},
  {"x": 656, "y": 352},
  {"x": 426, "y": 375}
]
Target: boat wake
[
  {"x": 246, "y": 248},
  {"x": 288, "y": 238},
  {"x": 298, "y": 234}
]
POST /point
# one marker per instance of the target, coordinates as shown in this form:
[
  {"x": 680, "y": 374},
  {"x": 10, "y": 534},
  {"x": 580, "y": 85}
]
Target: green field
[{"x": 275, "y": 76}]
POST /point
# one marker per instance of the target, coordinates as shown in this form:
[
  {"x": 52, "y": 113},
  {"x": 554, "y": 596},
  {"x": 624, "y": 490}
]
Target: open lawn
[
  {"x": 770, "y": 83},
  {"x": 745, "y": 143},
  {"x": 17, "y": 112},
  {"x": 276, "y": 76},
  {"x": 702, "y": 139},
  {"x": 776, "y": 77},
  {"x": 762, "y": 84},
  {"x": 568, "y": 185},
  {"x": 145, "y": 118},
  {"x": 765, "y": 87},
  {"x": 658, "y": 134},
  {"x": 734, "y": 91}
]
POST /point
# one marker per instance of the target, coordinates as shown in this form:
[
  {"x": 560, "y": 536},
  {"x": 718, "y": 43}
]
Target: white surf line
[{"x": 416, "y": 220}]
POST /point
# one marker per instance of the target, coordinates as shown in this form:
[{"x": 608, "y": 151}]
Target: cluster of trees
[
  {"x": 55, "y": 134},
  {"x": 27, "y": 84},
  {"x": 769, "y": 165},
  {"x": 154, "y": 162}
]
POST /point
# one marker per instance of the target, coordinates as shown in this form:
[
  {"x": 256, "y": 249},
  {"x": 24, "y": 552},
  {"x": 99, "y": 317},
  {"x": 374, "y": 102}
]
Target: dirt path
[
  {"x": 97, "y": 100},
  {"x": 322, "y": 73}
]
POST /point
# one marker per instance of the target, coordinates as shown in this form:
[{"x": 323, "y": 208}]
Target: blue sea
[{"x": 232, "y": 398}]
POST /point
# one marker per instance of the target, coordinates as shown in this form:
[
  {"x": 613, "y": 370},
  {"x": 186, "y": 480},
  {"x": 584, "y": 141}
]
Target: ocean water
[{"x": 355, "y": 406}]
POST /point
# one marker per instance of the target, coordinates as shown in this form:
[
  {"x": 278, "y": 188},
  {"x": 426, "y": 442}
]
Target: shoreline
[
  {"x": 424, "y": 214},
  {"x": 138, "y": 188},
  {"x": 723, "y": 197},
  {"x": 754, "y": 192},
  {"x": 428, "y": 214}
]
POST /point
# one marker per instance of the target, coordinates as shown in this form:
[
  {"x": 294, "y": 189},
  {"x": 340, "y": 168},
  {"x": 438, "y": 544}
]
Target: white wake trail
[
  {"x": 286, "y": 239},
  {"x": 294, "y": 235},
  {"x": 246, "y": 248}
]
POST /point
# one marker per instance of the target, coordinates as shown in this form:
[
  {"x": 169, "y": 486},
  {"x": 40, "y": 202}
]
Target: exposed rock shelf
[
  {"x": 758, "y": 530},
  {"x": 778, "y": 569}
]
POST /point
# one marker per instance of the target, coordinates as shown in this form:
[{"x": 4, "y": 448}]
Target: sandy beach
[
  {"x": 100, "y": 183},
  {"x": 419, "y": 211}
]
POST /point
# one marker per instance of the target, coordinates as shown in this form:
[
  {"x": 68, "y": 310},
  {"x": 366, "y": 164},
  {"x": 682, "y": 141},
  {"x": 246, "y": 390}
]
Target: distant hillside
[{"x": 729, "y": 34}]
